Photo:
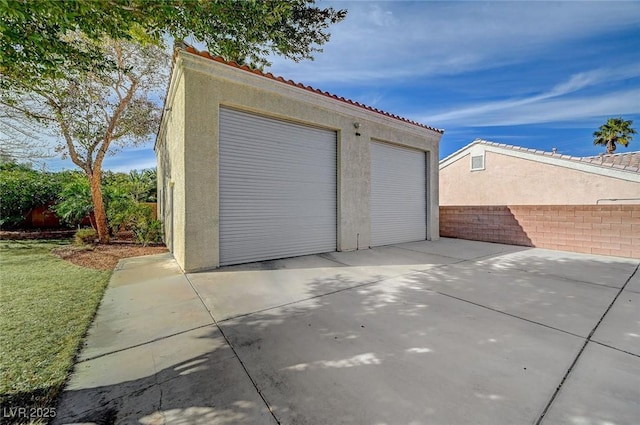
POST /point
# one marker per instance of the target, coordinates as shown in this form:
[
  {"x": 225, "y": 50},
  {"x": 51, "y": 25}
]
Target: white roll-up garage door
[
  {"x": 398, "y": 194},
  {"x": 277, "y": 188}
]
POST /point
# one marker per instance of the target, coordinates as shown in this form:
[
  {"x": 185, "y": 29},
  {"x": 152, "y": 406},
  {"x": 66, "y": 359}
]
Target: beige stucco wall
[
  {"x": 209, "y": 85},
  {"x": 509, "y": 180},
  {"x": 171, "y": 171}
]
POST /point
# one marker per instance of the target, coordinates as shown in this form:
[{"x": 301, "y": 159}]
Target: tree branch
[
  {"x": 64, "y": 128},
  {"x": 28, "y": 113}
]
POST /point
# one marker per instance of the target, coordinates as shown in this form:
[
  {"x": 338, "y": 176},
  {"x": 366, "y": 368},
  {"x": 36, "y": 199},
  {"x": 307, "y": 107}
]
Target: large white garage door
[
  {"x": 277, "y": 188},
  {"x": 398, "y": 195}
]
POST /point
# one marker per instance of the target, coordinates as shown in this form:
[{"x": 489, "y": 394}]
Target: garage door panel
[
  {"x": 277, "y": 188},
  {"x": 398, "y": 194}
]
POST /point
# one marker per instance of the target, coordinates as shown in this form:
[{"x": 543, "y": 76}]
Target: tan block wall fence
[{"x": 594, "y": 229}]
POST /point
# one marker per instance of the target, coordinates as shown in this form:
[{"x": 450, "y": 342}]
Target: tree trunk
[
  {"x": 98, "y": 207},
  {"x": 92, "y": 220},
  {"x": 611, "y": 146}
]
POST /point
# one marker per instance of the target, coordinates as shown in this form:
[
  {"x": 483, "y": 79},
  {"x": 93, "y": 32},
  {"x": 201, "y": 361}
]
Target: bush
[
  {"x": 121, "y": 207},
  {"x": 86, "y": 237},
  {"x": 22, "y": 189},
  {"x": 148, "y": 232},
  {"x": 75, "y": 201},
  {"x": 145, "y": 228}
]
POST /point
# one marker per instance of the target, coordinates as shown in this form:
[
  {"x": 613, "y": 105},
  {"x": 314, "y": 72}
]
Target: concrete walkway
[{"x": 448, "y": 332}]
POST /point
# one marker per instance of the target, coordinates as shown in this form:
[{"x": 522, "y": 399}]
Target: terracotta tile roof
[
  {"x": 269, "y": 75},
  {"x": 628, "y": 161}
]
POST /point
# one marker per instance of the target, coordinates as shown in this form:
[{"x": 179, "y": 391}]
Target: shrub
[
  {"x": 144, "y": 226},
  {"x": 120, "y": 208},
  {"x": 86, "y": 237},
  {"x": 148, "y": 232},
  {"x": 74, "y": 201},
  {"x": 22, "y": 189}
]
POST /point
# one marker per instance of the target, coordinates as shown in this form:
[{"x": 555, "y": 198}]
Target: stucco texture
[
  {"x": 509, "y": 180},
  {"x": 187, "y": 151}
]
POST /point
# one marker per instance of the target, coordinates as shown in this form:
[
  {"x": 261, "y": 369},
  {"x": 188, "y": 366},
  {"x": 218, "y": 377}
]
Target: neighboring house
[
  {"x": 487, "y": 173},
  {"x": 508, "y": 194},
  {"x": 254, "y": 167}
]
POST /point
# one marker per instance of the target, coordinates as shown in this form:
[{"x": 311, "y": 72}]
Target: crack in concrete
[
  {"x": 162, "y": 415},
  {"x": 584, "y": 346},
  {"x": 155, "y": 376},
  {"x": 237, "y": 356}
]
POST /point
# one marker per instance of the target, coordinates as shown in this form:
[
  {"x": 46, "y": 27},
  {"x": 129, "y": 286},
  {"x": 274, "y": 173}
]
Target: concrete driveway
[{"x": 448, "y": 332}]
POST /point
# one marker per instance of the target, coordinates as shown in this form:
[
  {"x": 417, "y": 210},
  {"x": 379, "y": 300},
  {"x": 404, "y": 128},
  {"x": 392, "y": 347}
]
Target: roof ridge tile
[
  {"x": 628, "y": 161},
  {"x": 269, "y": 75}
]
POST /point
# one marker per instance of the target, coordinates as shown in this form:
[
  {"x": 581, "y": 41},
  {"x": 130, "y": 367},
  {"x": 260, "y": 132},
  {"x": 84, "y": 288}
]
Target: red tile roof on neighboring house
[
  {"x": 269, "y": 75},
  {"x": 629, "y": 161}
]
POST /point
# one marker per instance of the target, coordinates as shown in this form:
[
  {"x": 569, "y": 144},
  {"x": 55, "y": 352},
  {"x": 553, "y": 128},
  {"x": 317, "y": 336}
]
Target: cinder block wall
[{"x": 594, "y": 229}]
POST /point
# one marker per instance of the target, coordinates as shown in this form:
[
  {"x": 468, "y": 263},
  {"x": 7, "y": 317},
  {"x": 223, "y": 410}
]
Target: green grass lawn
[{"x": 46, "y": 306}]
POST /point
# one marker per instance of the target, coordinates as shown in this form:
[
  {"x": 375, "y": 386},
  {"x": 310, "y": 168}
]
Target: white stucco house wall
[
  {"x": 254, "y": 167},
  {"x": 489, "y": 173}
]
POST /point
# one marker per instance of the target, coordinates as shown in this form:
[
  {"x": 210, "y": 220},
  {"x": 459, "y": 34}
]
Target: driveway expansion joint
[
  {"x": 505, "y": 313},
  {"x": 565, "y": 278},
  {"x": 584, "y": 346},
  {"x": 151, "y": 341},
  {"x": 235, "y": 353},
  {"x": 359, "y": 285},
  {"x": 615, "y": 348}
]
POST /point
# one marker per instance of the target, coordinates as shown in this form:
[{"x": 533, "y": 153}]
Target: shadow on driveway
[{"x": 450, "y": 332}]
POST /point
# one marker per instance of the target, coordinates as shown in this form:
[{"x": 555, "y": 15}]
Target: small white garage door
[
  {"x": 277, "y": 188},
  {"x": 398, "y": 194}
]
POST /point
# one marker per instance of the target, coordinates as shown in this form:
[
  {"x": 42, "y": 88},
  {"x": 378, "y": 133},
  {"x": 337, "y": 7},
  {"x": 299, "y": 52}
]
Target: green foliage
[
  {"x": 142, "y": 185},
  {"x": 144, "y": 226},
  {"x": 120, "y": 206},
  {"x": 85, "y": 237},
  {"x": 123, "y": 194},
  {"x": 614, "y": 131},
  {"x": 34, "y": 42},
  {"x": 74, "y": 201},
  {"x": 94, "y": 113},
  {"x": 22, "y": 189}
]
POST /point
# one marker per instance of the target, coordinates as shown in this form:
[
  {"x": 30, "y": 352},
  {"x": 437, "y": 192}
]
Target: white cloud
[
  {"x": 549, "y": 106},
  {"x": 391, "y": 41},
  {"x": 543, "y": 110},
  {"x": 596, "y": 76}
]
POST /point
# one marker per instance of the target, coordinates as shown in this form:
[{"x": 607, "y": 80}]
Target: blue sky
[{"x": 533, "y": 74}]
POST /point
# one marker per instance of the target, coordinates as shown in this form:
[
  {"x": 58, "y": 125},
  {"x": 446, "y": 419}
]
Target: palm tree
[{"x": 615, "y": 130}]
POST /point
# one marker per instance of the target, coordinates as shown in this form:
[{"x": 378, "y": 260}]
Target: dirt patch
[
  {"x": 105, "y": 257},
  {"x": 99, "y": 257}
]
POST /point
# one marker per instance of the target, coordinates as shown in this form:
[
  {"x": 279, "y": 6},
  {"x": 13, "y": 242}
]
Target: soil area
[
  {"x": 99, "y": 257},
  {"x": 105, "y": 257}
]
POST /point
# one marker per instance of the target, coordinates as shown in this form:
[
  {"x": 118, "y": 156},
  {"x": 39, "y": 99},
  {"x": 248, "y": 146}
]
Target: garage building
[{"x": 253, "y": 167}]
